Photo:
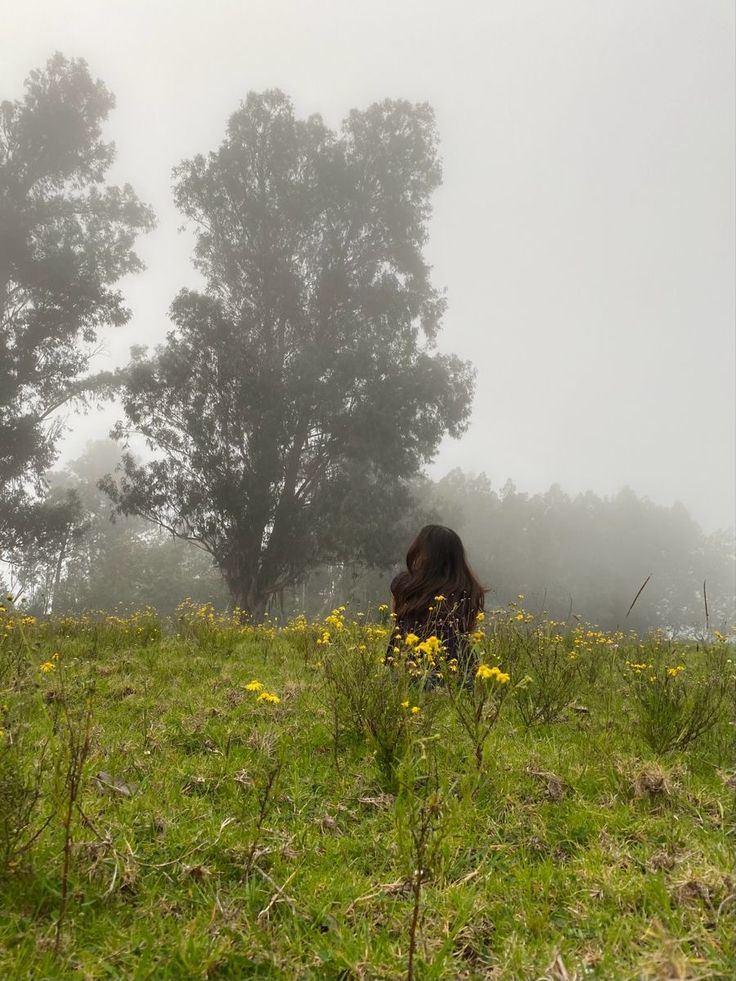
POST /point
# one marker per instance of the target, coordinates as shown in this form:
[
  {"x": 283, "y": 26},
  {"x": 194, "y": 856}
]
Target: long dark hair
[{"x": 436, "y": 566}]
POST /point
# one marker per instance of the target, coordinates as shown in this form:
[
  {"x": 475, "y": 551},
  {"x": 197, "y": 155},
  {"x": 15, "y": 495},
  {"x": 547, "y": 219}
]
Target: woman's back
[
  {"x": 452, "y": 637},
  {"x": 437, "y": 594}
]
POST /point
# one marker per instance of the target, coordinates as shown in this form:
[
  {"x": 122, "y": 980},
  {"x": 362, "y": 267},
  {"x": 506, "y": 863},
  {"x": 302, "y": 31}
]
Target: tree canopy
[
  {"x": 587, "y": 556},
  {"x": 66, "y": 238},
  {"x": 301, "y": 389}
]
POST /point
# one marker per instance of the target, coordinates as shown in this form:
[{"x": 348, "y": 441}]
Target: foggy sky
[{"x": 585, "y": 229}]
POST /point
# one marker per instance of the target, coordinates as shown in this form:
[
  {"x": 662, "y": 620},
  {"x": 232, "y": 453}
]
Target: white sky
[{"x": 585, "y": 230}]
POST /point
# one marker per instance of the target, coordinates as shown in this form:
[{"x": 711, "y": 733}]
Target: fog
[{"x": 584, "y": 230}]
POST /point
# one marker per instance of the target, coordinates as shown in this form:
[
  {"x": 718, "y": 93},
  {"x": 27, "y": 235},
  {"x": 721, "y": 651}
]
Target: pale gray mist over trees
[{"x": 276, "y": 440}]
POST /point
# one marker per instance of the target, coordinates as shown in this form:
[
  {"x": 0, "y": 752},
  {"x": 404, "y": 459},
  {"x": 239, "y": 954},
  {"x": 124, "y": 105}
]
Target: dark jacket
[{"x": 449, "y": 631}]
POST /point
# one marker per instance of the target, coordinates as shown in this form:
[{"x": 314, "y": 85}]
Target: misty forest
[
  {"x": 211, "y": 768},
  {"x": 298, "y": 394}
]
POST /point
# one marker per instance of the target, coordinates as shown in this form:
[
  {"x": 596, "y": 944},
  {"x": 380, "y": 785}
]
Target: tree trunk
[
  {"x": 57, "y": 576},
  {"x": 245, "y": 595}
]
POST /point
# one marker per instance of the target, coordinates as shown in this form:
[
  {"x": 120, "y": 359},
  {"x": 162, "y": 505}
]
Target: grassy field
[{"x": 210, "y": 799}]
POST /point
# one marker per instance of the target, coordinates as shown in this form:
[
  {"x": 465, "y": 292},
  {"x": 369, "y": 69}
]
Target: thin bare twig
[
  {"x": 279, "y": 894},
  {"x": 387, "y": 889},
  {"x": 191, "y": 851},
  {"x": 638, "y": 594},
  {"x": 705, "y": 600}
]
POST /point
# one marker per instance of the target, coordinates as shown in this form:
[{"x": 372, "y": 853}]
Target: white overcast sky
[{"x": 585, "y": 230}]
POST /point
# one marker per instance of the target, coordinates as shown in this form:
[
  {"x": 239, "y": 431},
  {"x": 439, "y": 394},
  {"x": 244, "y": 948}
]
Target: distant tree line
[
  {"x": 588, "y": 556},
  {"x": 573, "y": 557},
  {"x": 290, "y": 412}
]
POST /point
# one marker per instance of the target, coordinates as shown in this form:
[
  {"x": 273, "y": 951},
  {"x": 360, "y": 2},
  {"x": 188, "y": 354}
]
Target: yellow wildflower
[
  {"x": 48, "y": 666},
  {"x": 405, "y": 705},
  {"x": 431, "y": 646},
  {"x": 415, "y": 710},
  {"x": 267, "y": 696},
  {"x": 411, "y": 639},
  {"x": 480, "y": 617},
  {"x": 485, "y": 672},
  {"x": 438, "y": 599},
  {"x": 254, "y": 686}
]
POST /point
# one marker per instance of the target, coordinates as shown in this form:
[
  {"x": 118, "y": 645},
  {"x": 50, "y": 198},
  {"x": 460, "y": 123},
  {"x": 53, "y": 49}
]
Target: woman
[{"x": 437, "y": 594}]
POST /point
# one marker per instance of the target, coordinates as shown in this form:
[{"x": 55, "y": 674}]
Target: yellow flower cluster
[
  {"x": 267, "y": 696},
  {"x": 12, "y": 624},
  {"x": 49, "y": 666},
  {"x": 418, "y": 655},
  {"x": 485, "y": 673},
  {"x": 673, "y": 672},
  {"x": 263, "y": 696},
  {"x": 373, "y": 632},
  {"x": 202, "y": 622},
  {"x": 298, "y": 625},
  {"x": 431, "y": 646},
  {"x": 336, "y": 619},
  {"x": 585, "y": 640}
]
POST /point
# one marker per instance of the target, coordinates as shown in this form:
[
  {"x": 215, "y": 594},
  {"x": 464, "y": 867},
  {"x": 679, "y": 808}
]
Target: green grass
[{"x": 575, "y": 849}]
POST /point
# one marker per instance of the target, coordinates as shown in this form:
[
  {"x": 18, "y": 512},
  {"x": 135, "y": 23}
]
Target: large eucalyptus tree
[{"x": 301, "y": 387}]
